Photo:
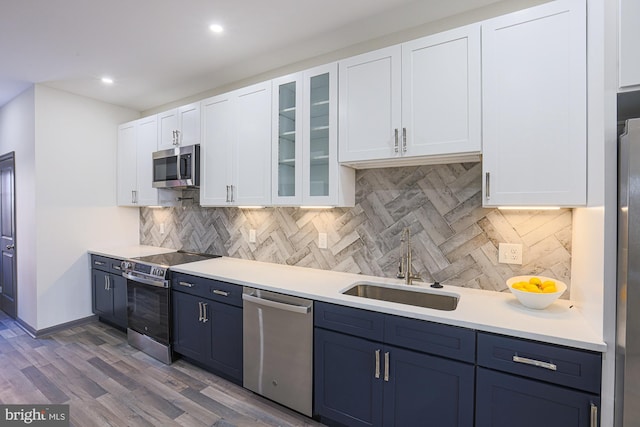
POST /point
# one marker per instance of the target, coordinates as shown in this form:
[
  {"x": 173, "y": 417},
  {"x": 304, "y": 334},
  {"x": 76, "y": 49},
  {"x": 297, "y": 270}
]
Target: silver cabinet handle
[
  {"x": 538, "y": 363},
  {"x": 199, "y": 311},
  {"x": 98, "y": 263},
  {"x": 301, "y": 309},
  {"x": 9, "y": 247},
  {"x": 395, "y": 146},
  {"x": 106, "y": 283},
  {"x": 228, "y": 193},
  {"x": 386, "y": 366},
  {"x": 232, "y": 193},
  {"x": 594, "y": 415},
  {"x": 116, "y": 267},
  {"x": 404, "y": 140},
  {"x": 187, "y": 284},
  {"x": 377, "y": 364},
  {"x": 205, "y": 318},
  {"x": 487, "y": 185},
  {"x": 221, "y": 293}
]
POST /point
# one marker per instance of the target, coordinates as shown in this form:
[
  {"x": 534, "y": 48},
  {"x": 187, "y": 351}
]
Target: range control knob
[{"x": 125, "y": 265}]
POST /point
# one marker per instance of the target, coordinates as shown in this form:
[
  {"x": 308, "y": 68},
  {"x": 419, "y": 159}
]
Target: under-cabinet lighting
[
  {"x": 216, "y": 28},
  {"x": 251, "y": 207},
  {"x": 529, "y": 208},
  {"x": 107, "y": 80},
  {"x": 155, "y": 207},
  {"x": 316, "y": 207}
]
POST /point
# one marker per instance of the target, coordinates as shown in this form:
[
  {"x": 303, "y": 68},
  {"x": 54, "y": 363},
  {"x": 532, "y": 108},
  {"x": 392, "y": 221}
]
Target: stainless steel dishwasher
[{"x": 278, "y": 348}]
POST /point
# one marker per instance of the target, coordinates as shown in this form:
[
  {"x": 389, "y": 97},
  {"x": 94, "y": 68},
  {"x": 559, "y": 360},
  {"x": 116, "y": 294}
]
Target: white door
[
  {"x": 534, "y": 106},
  {"x": 252, "y": 146},
  {"x": 629, "y": 62},
  {"x": 146, "y": 144},
  {"x": 167, "y": 128},
  {"x": 126, "y": 165},
  {"x": 216, "y": 150},
  {"x": 370, "y": 105},
  {"x": 189, "y": 124},
  {"x": 441, "y": 93}
]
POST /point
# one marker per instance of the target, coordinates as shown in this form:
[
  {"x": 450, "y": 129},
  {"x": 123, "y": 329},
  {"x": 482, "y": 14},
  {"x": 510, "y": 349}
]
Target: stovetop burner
[
  {"x": 154, "y": 269},
  {"x": 173, "y": 258}
]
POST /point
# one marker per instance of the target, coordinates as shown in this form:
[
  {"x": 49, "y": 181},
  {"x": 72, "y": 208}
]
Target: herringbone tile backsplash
[{"x": 454, "y": 239}]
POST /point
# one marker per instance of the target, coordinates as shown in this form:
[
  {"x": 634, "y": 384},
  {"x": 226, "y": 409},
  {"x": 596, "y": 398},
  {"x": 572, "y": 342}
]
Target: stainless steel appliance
[
  {"x": 627, "y": 388},
  {"x": 278, "y": 348},
  {"x": 177, "y": 167},
  {"x": 149, "y": 301}
]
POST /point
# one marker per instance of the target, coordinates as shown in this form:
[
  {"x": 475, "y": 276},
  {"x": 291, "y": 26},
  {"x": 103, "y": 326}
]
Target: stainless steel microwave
[{"x": 177, "y": 167}]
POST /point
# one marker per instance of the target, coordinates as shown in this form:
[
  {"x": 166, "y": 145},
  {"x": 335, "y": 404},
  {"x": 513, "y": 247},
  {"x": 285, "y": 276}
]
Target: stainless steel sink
[{"x": 404, "y": 296}]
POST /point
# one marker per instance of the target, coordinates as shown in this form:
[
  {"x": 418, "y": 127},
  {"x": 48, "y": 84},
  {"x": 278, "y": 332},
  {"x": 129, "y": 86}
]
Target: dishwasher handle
[{"x": 301, "y": 309}]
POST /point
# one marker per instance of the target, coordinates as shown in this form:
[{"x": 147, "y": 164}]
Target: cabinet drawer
[
  {"x": 101, "y": 263},
  {"x": 428, "y": 337},
  {"x": 115, "y": 266},
  {"x": 352, "y": 321},
  {"x": 569, "y": 367},
  {"x": 215, "y": 290}
]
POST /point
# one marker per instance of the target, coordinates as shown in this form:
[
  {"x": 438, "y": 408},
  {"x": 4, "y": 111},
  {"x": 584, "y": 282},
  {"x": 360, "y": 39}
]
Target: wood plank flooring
[{"x": 106, "y": 382}]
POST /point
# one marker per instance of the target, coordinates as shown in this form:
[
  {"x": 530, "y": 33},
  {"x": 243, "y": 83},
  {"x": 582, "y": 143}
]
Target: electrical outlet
[
  {"x": 322, "y": 240},
  {"x": 252, "y": 236},
  {"x": 162, "y": 228},
  {"x": 510, "y": 253}
]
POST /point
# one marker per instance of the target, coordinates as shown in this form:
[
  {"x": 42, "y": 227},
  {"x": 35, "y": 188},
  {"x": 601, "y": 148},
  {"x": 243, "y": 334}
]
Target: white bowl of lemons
[{"x": 537, "y": 292}]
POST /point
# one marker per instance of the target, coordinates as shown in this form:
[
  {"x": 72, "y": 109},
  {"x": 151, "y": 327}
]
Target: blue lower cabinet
[
  {"x": 505, "y": 400},
  {"x": 365, "y": 383},
  {"x": 424, "y": 390},
  {"x": 346, "y": 387},
  {"x": 109, "y": 296},
  {"x": 208, "y": 332}
]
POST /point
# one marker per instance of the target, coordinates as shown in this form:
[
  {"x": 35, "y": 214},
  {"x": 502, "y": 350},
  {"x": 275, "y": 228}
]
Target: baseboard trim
[{"x": 57, "y": 328}]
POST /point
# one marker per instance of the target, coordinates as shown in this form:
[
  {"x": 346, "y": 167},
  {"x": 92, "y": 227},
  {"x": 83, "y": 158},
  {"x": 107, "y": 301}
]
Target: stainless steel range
[{"x": 149, "y": 301}]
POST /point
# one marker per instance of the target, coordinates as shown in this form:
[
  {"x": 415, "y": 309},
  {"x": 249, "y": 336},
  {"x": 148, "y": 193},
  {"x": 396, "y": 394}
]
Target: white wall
[
  {"x": 75, "y": 158},
  {"x": 17, "y": 133}
]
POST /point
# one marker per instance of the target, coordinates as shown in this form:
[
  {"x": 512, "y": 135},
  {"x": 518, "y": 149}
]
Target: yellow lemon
[
  {"x": 548, "y": 283},
  {"x": 549, "y": 289},
  {"x": 535, "y": 281},
  {"x": 531, "y": 288},
  {"x": 518, "y": 285}
]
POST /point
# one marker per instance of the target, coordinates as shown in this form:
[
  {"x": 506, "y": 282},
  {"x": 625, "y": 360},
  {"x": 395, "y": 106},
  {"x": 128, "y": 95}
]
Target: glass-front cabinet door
[
  {"x": 305, "y": 138},
  {"x": 287, "y": 140},
  {"x": 320, "y": 135}
]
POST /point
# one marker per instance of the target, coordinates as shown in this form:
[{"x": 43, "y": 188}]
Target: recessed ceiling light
[
  {"x": 216, "y": 28},
  {"x": 107, "y": 80}
]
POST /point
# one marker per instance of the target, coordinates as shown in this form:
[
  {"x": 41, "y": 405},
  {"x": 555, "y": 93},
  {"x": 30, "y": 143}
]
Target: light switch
[{"x": 162, "y": 228}]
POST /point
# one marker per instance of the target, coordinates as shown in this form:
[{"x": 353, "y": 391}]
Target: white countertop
[
  {"x": 489, "y": 311},
  {"x": 133, "y": 251},
  {"x": 498, "y": 312}
]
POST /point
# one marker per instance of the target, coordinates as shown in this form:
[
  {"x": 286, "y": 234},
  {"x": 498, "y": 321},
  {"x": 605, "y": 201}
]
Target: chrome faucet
[{"x": 405, "y": 269}]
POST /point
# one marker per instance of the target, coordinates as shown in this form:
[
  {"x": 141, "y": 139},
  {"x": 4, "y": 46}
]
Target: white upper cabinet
[
  {"x": 179, "y": 127},
  {"x": 305, "y": 141},
  {"x": 370, "y": 104},
  {"x": 414, "y": 102},
  {"x": 534, "y": 106},
  {"x": 236, "y": 148},
  {"x": 137, "y": 141},
  {"x": 441, "y": 93},
  {"x": 629, "y": 54}
]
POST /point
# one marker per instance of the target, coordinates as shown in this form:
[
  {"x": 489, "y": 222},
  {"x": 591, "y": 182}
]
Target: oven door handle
[{"x": 158, "y": 283}]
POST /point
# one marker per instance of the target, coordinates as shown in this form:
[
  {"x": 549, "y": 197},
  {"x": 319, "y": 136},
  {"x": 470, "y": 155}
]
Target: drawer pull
[
  {"x": 98, "y": 263},
  {"x": 538, "y": 363},
  {"x": 219, "y": 292},
  {"x": 187, "y": 284},
  {"x": 377, "y": 375}
]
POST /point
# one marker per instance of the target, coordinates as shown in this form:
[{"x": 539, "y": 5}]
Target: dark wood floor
[{"x": 106, "y": 382}]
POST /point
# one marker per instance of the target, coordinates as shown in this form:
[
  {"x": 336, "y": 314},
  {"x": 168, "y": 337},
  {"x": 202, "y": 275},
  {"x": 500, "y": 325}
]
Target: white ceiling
[{"x": 159, "y": 51}]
